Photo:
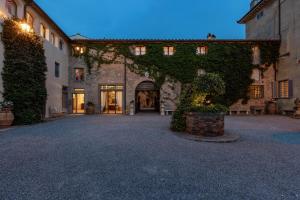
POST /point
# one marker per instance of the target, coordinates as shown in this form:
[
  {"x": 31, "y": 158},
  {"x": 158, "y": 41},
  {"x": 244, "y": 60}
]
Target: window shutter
[
  {"x": 291, "y": 89},
  {"x": 275, "y": 89}
]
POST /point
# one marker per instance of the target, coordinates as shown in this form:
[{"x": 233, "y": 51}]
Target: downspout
[
  {"x": 279, "y": 19},
  {"x": 125, "y": 84}
]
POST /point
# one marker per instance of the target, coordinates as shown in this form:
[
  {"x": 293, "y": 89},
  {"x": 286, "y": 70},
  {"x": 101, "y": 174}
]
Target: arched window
[{"x": 11, "y": 7}]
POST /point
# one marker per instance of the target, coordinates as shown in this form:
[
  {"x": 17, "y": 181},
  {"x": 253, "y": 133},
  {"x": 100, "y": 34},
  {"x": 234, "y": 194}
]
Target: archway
[{"x": 147, "y": 97}]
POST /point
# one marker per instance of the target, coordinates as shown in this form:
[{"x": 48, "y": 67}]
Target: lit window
[
  {"x": 169, "y": 51},
  {"x": 52, "y": 38},
  {"x": 11, "y": 7},
  {"x": 79, "y": 74},
  {"x": 29, "y": 19},
  {"x": 57, "y": 69},
  {"x": 202, "y": 50},
  {"x": 140, "y": 50},
  {"x": 43, "y": 31},
  {"x": 61, "y": 45},
  {"x": 256, "y": 91},
  {"x": 285, "y": 89}
]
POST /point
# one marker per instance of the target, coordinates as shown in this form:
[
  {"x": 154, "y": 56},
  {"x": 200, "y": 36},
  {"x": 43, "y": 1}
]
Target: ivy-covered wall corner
[{"x": 24, "y": 73}]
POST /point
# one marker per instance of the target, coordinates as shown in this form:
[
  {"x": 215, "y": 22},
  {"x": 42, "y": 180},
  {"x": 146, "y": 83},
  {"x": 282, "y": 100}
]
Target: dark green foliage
[
  {"x": 24, "y": 78},
  {"x": 232, "y": 61},
  {"x": 199, "y": 97}
]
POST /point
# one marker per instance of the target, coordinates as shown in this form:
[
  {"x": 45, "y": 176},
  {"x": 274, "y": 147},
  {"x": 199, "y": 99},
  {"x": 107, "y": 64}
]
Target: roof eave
[{"x": 248, "y": 16}]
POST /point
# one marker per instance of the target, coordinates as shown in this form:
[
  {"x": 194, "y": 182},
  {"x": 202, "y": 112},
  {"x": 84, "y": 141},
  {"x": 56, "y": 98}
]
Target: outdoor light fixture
[
  {"x": 25, "y": 27},
  {"x": 79, "y": 49},
  {"x": 201, "y": 72}
]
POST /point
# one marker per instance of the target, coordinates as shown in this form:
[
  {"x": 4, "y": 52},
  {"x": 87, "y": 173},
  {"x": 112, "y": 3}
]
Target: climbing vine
[
  {"x": 24, "y": 73},
  {"x": 233, "y": 61}
]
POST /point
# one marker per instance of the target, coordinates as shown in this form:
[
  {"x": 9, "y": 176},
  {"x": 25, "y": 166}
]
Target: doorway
[
  {"x": 78, "y": 101},
  {"x": 147, "y": 97},
  {"x": 111, "y": 99}
]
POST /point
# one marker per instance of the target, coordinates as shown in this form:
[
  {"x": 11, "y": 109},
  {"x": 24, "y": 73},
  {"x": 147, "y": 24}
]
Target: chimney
[{"x": 211, "y": 36}]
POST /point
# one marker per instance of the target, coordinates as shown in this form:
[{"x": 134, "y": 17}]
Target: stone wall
[{"x": 111, "y": 74}]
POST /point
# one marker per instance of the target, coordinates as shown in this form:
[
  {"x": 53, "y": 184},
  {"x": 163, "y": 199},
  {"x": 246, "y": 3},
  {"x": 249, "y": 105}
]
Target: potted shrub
[
  {"x": 6, "y": 115},
  {"x": 205, "y": 116},
  {"x": 90, "y": 109}
]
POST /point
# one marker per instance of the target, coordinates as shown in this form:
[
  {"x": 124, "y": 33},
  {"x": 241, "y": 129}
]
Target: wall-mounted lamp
[{"x": 25, "y": 27}]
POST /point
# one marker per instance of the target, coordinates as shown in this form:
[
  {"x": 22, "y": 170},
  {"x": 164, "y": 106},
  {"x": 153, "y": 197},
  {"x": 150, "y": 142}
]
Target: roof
[
  {"x": 252, "y": 13},
  {"x": 143, "y": 41},
  {"x": 43, "y": 14}
]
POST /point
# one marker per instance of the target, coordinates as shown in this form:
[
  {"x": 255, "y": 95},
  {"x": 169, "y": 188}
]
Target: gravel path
[{"x": 137, "y": 158}]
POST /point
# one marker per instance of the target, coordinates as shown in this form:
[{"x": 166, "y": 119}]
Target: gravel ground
[{"x": 137, "y": 158}]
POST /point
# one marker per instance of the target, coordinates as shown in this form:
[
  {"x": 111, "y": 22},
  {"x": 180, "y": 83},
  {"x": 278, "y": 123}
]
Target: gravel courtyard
[{"x": 137, "y": 158}]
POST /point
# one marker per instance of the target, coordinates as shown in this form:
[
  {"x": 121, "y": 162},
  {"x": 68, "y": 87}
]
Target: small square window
[
  {"x": 169, "y": 51},
  {"x": 79, "y": 74},
  {"x": 57, "y": 69},
  {"x": 202, "y": 50},
  {"x": 140, "y": 50},
  {"x": 256, "y": 91}
]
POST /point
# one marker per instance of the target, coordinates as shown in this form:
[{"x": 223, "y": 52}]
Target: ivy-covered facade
[
  {"x": 123, "y": 76},
  {"x": 148, "y": 75}
]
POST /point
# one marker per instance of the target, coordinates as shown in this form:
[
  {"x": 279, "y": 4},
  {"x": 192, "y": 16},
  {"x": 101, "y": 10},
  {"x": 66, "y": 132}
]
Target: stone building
[
  {"x": 279, "y": 19},
  {"x": 114, "y": 88}
]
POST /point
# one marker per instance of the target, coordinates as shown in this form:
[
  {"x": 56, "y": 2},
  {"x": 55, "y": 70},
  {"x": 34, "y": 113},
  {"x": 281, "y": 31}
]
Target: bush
[
  {"x": 200, "y": 96},
  {"x": 24, "y": 73}
]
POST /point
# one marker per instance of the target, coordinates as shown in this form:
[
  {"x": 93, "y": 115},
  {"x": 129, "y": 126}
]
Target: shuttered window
[{"x": 285, "y": 89}]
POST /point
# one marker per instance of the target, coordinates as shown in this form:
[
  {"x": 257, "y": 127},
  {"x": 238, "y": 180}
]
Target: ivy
[
  {"x": 233, "y": 61},
  {"x": 24, "y": 73}
]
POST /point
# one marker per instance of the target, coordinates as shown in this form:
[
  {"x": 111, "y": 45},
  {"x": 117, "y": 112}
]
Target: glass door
[
  {"x": 78, "y": 103},
  {"x": 111, "y": 99}
]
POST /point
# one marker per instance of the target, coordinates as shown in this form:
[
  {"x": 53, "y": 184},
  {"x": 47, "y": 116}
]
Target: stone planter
[
  {"x": 6, "y": 118},
  {"x": 205, "y": 124}
]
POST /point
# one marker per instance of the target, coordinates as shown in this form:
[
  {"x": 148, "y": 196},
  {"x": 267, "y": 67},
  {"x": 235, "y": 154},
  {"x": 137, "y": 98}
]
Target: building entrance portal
[{"x": 147, "y": 97}]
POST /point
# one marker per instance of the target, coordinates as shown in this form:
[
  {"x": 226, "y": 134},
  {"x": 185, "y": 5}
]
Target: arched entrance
[{"x": 147, "y": 97}]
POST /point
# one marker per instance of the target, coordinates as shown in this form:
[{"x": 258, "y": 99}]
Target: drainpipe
[
  {"x": 125, "y": 84},
  {"x": 279, "y": 19}
]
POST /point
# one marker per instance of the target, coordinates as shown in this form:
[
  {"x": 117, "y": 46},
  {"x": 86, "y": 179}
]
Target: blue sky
[{"x": 156, "y": 19}]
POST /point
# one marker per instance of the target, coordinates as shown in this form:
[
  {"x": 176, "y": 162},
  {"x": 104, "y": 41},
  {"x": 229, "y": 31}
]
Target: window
[
  {"x": 256, "y": 91},
  {"x": 52, "y": 38},
  {"x": 57, "y": 66},
  {"x": 11, "y": 7},
  {"x": 260, "y": 15},
  {"x": 29, "y": 19},
  {"x": 140, "y": 50},
  {"x": 43, "y": 31},
  {"x": 79, "y": 74},
  {"x": 285, "y": 89},
  {"x": 202, "y": 50},
  {"x": 169, "y": 51},
  {"x": 61, "y": 44}
]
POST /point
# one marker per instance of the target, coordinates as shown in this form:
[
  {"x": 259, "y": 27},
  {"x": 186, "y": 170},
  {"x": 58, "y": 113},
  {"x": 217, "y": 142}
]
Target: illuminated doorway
[
  {"x": 111, "y": 99},
  {"x": 147, "y": 97},
  {"x": 78, "y": 101}
]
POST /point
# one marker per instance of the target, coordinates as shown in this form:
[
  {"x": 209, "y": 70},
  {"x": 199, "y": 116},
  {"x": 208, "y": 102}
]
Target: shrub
[{"x": 24, "y": 78}]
